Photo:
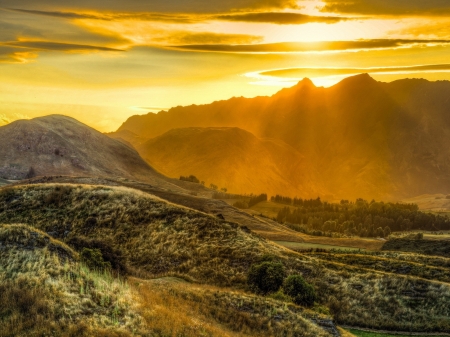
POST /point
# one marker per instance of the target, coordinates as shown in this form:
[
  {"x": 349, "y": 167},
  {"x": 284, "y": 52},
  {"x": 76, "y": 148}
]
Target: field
[
  {"x": 434, "y": 203},
  {"x": 305, "y": 245},
  {"x": 146, "y": 237},
  {"x": 270, "y": 210},
  {"x": 360, "y": 333}
]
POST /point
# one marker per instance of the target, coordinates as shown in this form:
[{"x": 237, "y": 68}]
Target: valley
[{"x": 160, "y": 232}]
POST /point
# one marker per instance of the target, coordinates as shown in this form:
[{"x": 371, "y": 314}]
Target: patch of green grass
[
  {"x": 305, "y": 246},
  {"x": 359, "y": 333}
]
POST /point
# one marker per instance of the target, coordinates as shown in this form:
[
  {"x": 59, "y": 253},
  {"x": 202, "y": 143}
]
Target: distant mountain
[
  {"x": 60, "y": 145},
  {"x": 231, "y": 158},
  {"x": 360, "y": 137}
]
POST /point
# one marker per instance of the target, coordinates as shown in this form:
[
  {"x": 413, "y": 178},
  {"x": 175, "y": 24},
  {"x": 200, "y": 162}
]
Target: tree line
[{"x": 359, "y": 218}]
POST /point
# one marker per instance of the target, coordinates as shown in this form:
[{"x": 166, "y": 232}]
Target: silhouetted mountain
[
  {"x": 360, "y": 137},
  {"x": 231, "y": 158}
]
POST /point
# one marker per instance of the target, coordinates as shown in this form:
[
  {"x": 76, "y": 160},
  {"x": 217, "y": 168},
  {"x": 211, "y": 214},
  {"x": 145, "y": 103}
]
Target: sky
[{"x": 102, "y": 61}]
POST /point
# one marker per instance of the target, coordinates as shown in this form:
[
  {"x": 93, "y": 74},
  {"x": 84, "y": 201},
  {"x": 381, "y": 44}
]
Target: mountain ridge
[{"x": 363, "y": 138}]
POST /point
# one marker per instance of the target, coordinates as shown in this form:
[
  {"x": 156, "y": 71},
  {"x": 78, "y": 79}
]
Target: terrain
[
  {"x": 60, "y": 145},
  {"x": 147, "y": 237},
  {"x": 231, "y": 158},
  {"x": 361, "y": 138}
]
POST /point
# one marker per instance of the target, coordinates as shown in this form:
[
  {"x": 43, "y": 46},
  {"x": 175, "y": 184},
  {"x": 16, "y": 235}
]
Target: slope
[
  {"x": 231, "y": 158},
  {"x": 153, "y": 237},
  {"x": 363, "y": 138},
  {"x": 60, "y": 145}
]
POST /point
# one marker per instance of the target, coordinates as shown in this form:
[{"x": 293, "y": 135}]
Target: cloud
[
  {"x": 206, "y": 38},
  {"x": 10, "y": 54},
  {"x": 280, "y": 18},
  {"x": 57, "y": 46},
  {"x": 311, "y": 46},
  {"x": 299, "y": 73},
  {"x": 175, "y": 18},
  {"x": 430, "y": 30},
  {"x": 388, "y": 7},
  {"x": 164, "y": 6}
]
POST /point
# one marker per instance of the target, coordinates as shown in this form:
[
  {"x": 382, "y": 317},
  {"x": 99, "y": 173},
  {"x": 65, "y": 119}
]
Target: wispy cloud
[
  {"x": 324, "y": 46},
  {"x": 140, "y": 6},
  {"x": 58, "y": 46},
  {"x": 298, "y": 73},
  {"x": 388, "y": 7},
  {"x": 279, "y": 18}
]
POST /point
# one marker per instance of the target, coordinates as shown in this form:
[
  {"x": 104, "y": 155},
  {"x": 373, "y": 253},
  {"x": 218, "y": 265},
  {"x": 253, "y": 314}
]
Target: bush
[
  {"x": 301, "y": 292},
  {"x": 93, "y": 258},
  {"x": 266, "y": 277}
]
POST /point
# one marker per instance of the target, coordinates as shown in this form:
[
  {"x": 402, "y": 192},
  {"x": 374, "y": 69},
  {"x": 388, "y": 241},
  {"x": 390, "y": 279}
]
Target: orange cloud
[{"x": 323, "y": 46}]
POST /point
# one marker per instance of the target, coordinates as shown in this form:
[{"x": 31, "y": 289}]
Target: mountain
[
  {"x": 60, "y": 145},
  {"x": 231, "y": 158},
  {"x": 361, "y": 138}
]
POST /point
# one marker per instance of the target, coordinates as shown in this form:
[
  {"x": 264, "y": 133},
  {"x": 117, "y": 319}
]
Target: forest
[{"x": 359, "y": 218}]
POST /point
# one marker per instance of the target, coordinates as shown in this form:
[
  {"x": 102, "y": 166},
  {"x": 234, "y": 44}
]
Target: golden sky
[{"x": 102, "y": 61}]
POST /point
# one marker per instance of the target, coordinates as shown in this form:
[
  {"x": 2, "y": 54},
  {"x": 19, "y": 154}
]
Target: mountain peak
[
  {"x": 306, "y": 82},
  {"x": 357, "y": 81}
]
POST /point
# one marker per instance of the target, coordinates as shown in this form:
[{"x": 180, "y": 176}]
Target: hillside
[
  {"x": 231, "y": 158},
  {"x": 362, "y": 138},
  {"x": 60, "y": 145},
  {"x": 151, "y": 237},
  {"x": 40, "y": 282}
]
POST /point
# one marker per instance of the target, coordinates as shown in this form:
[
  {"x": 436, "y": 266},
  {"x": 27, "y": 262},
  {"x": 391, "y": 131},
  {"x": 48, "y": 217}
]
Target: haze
[{"x": 101, "y": 62}]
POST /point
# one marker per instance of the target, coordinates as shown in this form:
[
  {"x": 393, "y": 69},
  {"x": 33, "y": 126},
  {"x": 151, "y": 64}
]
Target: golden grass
[
  {"x": 181, "y": 309},
  {"x": 45, "y": 291},
  {"x": 156, "y": 238}
]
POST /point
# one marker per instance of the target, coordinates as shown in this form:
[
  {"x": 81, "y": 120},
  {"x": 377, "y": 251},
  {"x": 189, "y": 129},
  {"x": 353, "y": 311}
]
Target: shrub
[
  {"x": 242, "y": 204},
  {"x": 266, "y": 277},
  {"x": 93, "y": 258},
  {"x": 302, "y": 293}
]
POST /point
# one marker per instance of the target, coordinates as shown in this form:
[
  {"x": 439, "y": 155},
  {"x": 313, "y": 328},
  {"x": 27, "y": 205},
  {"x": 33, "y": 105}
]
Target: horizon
[
  {"x": 117, "y": 127},
  {"x": 102, "y": 63}
]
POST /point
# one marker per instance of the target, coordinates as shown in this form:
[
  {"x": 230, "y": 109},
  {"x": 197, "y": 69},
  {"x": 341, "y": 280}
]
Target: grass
[
  {"x": 300, "y": 246},
  {"x": 406, "y": 264},
  {"x": 154, "y": 238},
  {"x": 198, "y": 310},
  {"x": 424, "y": 246},
  {"x": 359, "y": 333},
  {"x": 46, "y": 291}
]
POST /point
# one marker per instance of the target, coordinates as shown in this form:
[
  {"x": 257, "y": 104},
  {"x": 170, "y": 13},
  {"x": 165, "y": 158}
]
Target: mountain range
[{"x": 359, "y": 138}]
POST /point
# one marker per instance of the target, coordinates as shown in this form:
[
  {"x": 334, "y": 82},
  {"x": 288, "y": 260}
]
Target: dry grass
[
  {"x": 176, "y": 308},
  {"x": 408, "y": 264},
  {"x": 155, "y": 238},
  {"x": 46, "y": 292}
]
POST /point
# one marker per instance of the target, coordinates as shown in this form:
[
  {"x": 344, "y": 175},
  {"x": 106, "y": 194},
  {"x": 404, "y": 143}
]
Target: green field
[
  {"x": 360, "y": 333},
  {"x": 305, "y": 245}
]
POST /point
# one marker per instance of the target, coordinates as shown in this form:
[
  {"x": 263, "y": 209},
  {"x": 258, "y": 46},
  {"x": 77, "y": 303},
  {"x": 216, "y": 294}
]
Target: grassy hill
[
  {"x": 46, "y": 291},
  {"x": 231, "y": 158},
  {"x": 361, "y": 138},
  {"x": 60, "y": 145},
  {"x": 153, "y": 238}
]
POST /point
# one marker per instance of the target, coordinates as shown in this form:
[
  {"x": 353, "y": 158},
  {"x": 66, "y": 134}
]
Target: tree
[
  {"x": 301, "y": 292},
  {"x": 224, "y": 189},
  {"x": 266, "y": 277},
  {"x": 31, "y": 173},
  {"x": 213, "y": 187}
]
